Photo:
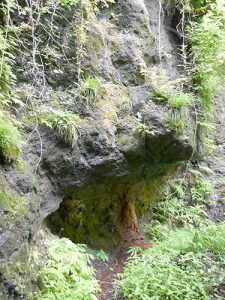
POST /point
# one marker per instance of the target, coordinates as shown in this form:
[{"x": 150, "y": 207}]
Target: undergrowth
[
  {"x": 67, "y": 273},
  {"x": 187, "y": 260},
  {"x": 188, "y": 264},
  {"x": 183, "y": 205},
  {"x": 207, "y": 39}
]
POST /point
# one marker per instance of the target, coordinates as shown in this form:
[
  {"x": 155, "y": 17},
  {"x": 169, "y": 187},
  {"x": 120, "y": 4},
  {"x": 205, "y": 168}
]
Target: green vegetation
[
  {"x": 203, "y": 59},
  {"x": 89, "y": 87},
  {"x": 103, "y": 256},
  {"x": 183, "y": 205},
  {"x": 206, "y": 36},
  {"x": 170, "y": 92},
  {"x": 141, "y": 130},
  {"x": 188, "y": 264},
  {"x": 185, "y": 263},
  {"x": 207, "y": 40},
  {"x": 10, "y": 139},
  {"x": 12, "y": 205},
  {"x": 7, "y": 78},
  {"x": 67, "y": 273},
  {"x": 176, "y": 122},
  {"x": 178, "y": 101},
  {"x": 68, "y": 3},
  {"x": 187, "y": 260},
  {"x": 63, "y": 124}
]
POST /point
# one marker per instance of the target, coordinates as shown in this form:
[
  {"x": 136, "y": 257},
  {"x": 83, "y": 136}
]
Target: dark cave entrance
[{"x": 105, "y": 215}]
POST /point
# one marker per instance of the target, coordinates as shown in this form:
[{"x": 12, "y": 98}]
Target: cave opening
[{"x": 106, "y": 214}]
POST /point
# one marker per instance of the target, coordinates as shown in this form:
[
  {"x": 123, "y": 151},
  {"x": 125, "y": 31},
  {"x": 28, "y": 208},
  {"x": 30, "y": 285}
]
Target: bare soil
[{"x": 106, "y": 272}]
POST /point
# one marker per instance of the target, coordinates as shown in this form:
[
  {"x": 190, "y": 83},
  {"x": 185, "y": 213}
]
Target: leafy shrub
[
  {"x": 63, "y": 124},
  {"x": 207, "y": 41},
  {"x": 183, "y": 204},
  {"x": 68, "y": 3},
  {"x": 189, "y": 264},
  {"x": 67, "y": 274},
  {"x": 10, "y": 140},
  {"x": 141, "y": 130},
  {"x": 201, "y": 189}
]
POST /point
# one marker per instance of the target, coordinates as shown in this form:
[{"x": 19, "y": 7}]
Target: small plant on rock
[
  {"x": 180, "y": 100},
  {"x": 89, "y": 87},
  {"x": 176, "y": 122},
  {"x": 64, "y": 125}
]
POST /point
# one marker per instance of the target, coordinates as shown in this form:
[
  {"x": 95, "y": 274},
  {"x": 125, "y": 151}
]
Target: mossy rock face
[
  {"x": 19, "y": 220},
  {"x": 123, "y": 137},
  {"x": 92, "y": 214},
  {"x": 120, "y": 146}
]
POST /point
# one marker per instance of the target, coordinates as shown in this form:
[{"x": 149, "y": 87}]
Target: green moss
[
  {"x": 20, "y": 272},
  {"x": 92, "y": 214},
  {"x": 10, "y": 139},
  {"x": 12, "y": 205}
]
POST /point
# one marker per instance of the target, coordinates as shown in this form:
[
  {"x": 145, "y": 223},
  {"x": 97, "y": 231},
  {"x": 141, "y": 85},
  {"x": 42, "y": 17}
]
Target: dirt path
[{"x": 106, "y": 272}]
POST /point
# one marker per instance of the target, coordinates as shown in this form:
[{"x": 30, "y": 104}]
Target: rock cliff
[{"x": 102, "y": 69}]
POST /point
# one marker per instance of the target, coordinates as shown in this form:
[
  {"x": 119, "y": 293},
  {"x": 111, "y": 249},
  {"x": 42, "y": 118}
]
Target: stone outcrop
[{"x": 125, "y": 150}]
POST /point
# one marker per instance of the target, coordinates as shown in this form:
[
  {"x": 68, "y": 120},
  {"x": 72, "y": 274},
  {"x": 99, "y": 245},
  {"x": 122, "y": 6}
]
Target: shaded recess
[
  {"x": 100, "y": 188},
  {"x": 104, "y": 212}
]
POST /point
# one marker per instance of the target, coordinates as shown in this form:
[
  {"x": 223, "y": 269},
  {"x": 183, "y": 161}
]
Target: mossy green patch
[
  {"x": 92, "y": 214},
  {"x": 12, "y": 205},
  {"x": 10, "y": 139}
]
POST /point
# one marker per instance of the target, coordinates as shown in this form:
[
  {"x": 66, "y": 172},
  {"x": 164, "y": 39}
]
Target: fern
[
  {"x": 67, "y": 274},
  {"x": 180, "y": 267}
]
